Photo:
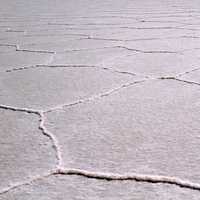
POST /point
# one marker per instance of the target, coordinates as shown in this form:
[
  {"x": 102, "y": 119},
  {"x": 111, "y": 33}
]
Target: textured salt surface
[{"x": 99, "y": 100}]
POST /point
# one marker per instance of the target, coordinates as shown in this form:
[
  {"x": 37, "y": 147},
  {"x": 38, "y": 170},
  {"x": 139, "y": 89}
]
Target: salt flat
[{"x": 99, "y": 100}]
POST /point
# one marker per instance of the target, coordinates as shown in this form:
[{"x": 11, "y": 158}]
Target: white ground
[{"x": 99, "y": 100}]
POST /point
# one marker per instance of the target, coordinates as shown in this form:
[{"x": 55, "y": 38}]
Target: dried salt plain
[{"x": 99, "y": 100}]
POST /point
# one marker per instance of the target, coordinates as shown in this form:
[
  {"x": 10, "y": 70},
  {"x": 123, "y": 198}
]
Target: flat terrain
[{"x": 99, "y": 100}]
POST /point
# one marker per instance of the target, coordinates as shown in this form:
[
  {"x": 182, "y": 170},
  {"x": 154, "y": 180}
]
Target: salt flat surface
[{"x": 99, "y": 100}]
